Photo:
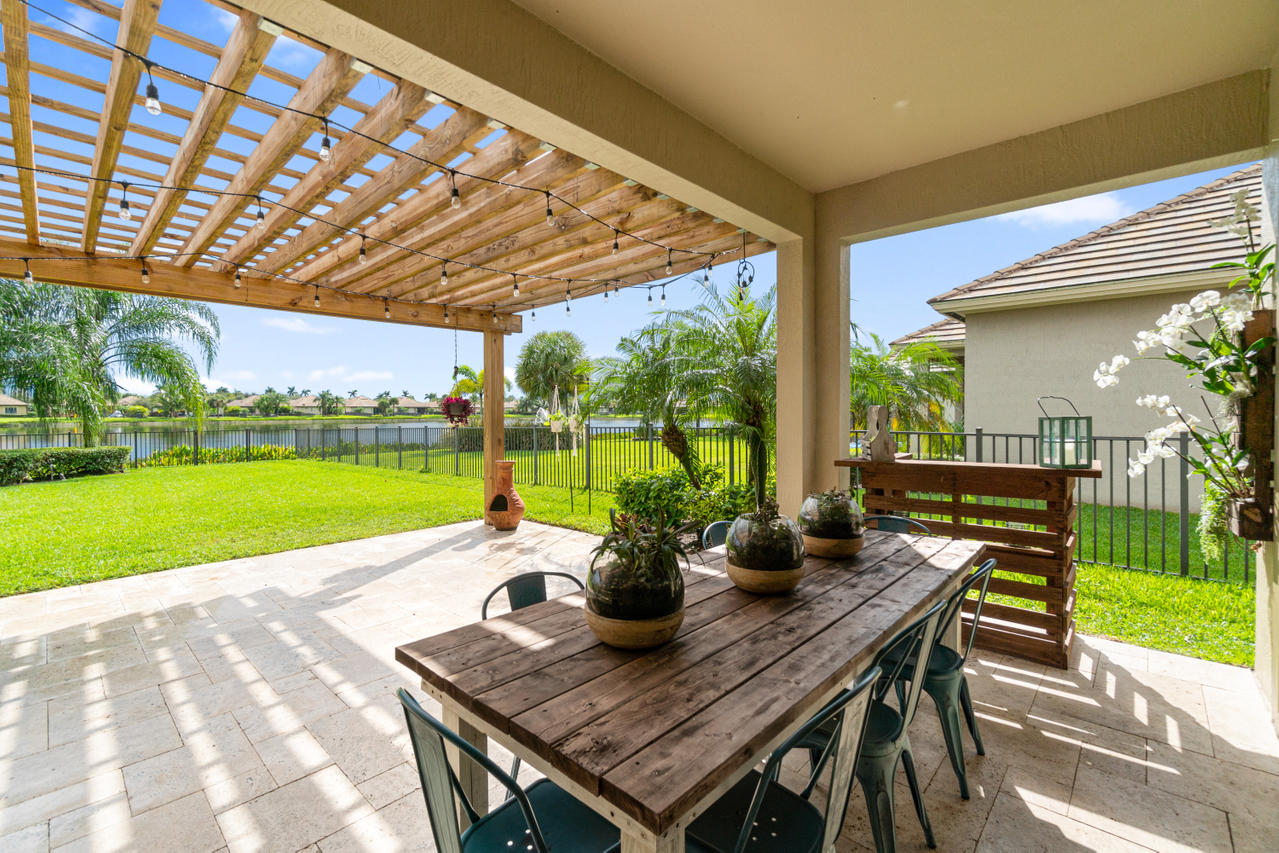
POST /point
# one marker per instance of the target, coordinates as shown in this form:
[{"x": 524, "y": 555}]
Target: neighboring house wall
[
  {"x": 1013, "y": 357},
  {"x": 13, "y": 409}
]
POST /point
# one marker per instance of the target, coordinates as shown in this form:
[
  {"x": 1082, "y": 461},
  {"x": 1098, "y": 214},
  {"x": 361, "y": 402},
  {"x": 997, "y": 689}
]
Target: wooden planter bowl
[
  {"x": 764, "y": 582},
  {"x": 634, "y": 633},
  {"x": 1248, "y": 520},
  {"x": 819, "y": 546}
]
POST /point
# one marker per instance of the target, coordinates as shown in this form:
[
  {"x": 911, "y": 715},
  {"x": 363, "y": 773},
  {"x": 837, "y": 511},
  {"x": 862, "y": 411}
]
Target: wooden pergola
[{"x": 241, "y": 208}]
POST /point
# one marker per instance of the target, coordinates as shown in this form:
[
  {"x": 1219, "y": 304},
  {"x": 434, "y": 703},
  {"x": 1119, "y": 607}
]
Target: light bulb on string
[
  {"x": 606, "y": 293},
  {"x": 146, "y": 273},
  {"x": 125, "y": 213},
  {"x": 317, "y": 297},
  {"x": 261, "y": 223},
  {"x": 238, "y": 280},
  {"x": 446, "y": 319},
  {"x": 616, "y": 290},
  {"x": 568, "y": 299},
  {"x": 495, "y": 315},
  {"x": 26, "y": 275},
  {"x": 153, "y": 95},
  {"x": 456, "y": 199},
  {"x": 363, "y": 256},
  {"x": 668, "y": 261},
  {"x": 444, "y": 274},
  {"x": 550, "y": 214},
  {"x": 386, "y": 309},
  {"x": 615, "y": 241},
  {"x": 515, "y": 284},
  {"x": 663, "y": 296},
  {"x": 650, "y": 296},
  {"x": 706, "y": 276},
  {"x": 532, "y": 314},
  {"x": 326, "y": 147}
]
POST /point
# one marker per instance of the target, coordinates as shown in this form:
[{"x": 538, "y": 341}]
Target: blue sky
[{"x": 891, "y": 278}]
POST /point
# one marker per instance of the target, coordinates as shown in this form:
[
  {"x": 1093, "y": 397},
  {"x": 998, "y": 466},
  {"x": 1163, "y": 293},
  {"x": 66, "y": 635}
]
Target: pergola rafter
[{"x": 386, "y": 187}]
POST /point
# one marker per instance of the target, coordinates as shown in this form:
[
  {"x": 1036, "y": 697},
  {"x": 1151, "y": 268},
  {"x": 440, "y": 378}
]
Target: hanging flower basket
[{"x": 458, "y": 410}]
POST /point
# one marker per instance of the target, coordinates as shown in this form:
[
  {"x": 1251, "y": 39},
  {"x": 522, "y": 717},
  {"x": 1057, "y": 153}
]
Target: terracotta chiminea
[{"x": 506, "y": 508}]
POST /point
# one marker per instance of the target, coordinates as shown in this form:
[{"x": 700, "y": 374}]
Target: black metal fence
[{"x": 1149, "y": 524}]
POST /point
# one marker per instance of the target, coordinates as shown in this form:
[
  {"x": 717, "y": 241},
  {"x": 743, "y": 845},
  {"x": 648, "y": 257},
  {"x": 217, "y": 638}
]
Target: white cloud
[
  {"x": 342, "y": 375},
  {"x": 224, "y": 20},
  {"x": 1090, "y": 210},
  {"x": 297, "y": 324},
  {"x": 82, "y": 18},
  {"x": 130, "y": 385}
]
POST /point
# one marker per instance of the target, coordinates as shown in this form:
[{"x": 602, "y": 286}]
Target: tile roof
[
  {"x": 6, "y": 400},
  {"x": 1170, "y": 239},
  {"x": 947, "y": 334}
]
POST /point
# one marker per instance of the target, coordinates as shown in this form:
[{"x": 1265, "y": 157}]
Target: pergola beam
[
  {"x": 399, "y": 109},
  {"x": 244, "y": 56},
  {"x": 137, "y": 24},
  {"x": 166, "y": 279},
  {"x": 334, "y": 76},
  {"x": 18, "y": 75},
  {"x": 448, "y": 141}
]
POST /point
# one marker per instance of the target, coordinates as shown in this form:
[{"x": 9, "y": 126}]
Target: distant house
[
  {"x": 307, "y": 404},
  {"x": 129, "y": 400},
  {"x": 244, "y": 403},
  {"x": 1042, "y": 325},
  {"x": 947, "y": 334},
  {"x": 12, "y": 406},
  {"x": 360, "y": 405},
  {"x": 410, "y": 406}
]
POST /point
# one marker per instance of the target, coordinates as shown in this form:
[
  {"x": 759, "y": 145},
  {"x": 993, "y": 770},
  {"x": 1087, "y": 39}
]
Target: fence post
[
  {"x": 588, "y": 455},
  {"x": 1183, "y": 512},
  {"x": 135, "y": 449},
  {"x": 248, "y": 443},
  {"x": 399, "y": 442},
  {"x": 648, "y": 429},
  {"x": 535, "y": 454},
  {"x": 377, "y": 447},
  {"x": 357, "y": 445},
  {"x": 979, "y": 450},
  {"x": 195, "y": 447},
  {"x": 324, "y": 444},
  {"x": 457, "y": 451},
  {"x": 732, "y": 467}
]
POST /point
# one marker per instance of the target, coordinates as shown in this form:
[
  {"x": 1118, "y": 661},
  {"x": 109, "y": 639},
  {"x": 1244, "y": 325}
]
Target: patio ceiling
[{"x": 198, "y": 174}]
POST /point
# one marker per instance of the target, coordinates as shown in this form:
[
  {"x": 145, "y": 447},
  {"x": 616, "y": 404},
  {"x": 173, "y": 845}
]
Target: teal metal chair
[
  {"x": 944, "y": 679},
  {"x": 760, "y": 814},
  {"x": 524, "y": 590},
  {"x": 715, "y": 534},
  {"x": 886, "y": 744},
  {"x": 896, "y": 524},
  {"x": 541, "y": 817}
]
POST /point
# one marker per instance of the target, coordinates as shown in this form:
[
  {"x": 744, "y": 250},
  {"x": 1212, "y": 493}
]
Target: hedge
[
  {"x": 48, "y": 463},
  {"x": 182, "y": 454}
]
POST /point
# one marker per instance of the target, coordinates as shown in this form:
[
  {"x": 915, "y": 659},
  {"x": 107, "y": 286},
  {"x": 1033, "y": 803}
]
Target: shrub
[
  {"x": 646, "y": 493},
  {"x": 135, "y": 411},
  {"x": 47, "y": 463},
  {"x": 234, "y": 411},
  {"x": 182, "y": 454}
]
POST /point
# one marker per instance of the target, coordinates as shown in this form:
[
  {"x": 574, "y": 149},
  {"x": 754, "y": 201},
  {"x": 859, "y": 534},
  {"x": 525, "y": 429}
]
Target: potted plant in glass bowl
[
  {"x": 831, "y": 524},
  {"x": 765, "y": 551},
  {"x": 635, "y": 590}
]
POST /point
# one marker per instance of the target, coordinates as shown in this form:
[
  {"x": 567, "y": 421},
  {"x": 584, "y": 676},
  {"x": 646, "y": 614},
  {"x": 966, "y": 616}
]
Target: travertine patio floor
[{"x": 250, "y": 705}]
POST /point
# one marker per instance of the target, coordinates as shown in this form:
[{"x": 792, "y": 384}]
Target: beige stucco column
[
  {"x": 1267, "y": 649},
  {"x": 494, "y": 414}
]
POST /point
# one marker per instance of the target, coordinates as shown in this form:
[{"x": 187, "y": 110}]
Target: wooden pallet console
[{"x": 1026, "y": 513}]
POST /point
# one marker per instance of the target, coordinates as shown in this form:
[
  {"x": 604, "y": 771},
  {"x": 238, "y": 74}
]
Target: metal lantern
[{"x": 1064, "y": 441}]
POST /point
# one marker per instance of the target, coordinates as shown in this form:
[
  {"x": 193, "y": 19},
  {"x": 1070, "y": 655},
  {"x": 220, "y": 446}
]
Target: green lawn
[
  {"x": 94, "y": 528},
  {"x": 89, "y": 529}
]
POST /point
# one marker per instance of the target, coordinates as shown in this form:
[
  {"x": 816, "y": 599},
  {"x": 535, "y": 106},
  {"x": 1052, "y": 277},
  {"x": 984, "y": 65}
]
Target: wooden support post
[
  {"x": 470, "y": 776},
  {"x": 494, "y": 413}
]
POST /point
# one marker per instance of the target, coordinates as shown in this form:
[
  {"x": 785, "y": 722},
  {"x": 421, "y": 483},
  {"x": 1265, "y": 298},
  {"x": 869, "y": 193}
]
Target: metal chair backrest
[
  {"x": 981, "y": 576},
  {"x": 912, "y": 643},
  {"x": 525, "y": 589},
  {"x": 848, "y": 711},
  {"x": 715, "y": 534},
  {"x": 440, "y": 784},
  {"x": 896, "y": 524}
]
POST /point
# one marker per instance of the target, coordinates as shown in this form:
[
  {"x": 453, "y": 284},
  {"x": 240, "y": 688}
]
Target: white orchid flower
[
  {"x": 1135, "y": 468},
  {"x": 1204, "y": 301}
]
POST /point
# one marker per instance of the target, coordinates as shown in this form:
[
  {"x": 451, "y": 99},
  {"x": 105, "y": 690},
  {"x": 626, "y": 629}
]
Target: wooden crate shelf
[{"x": 1025, "y": 513}]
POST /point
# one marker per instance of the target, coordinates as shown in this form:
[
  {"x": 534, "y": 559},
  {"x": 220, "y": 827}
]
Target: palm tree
[
  {"x": 645, "y": 378},
  {"x": 471, "y": 382},
  {"x": 353, "y": 392},
  {"x": 919, "y": 383},
  {"x": 63, "y": 347},
  {"x": 330, "y": 403},
  {"x": 551, "y": 360},
  {"x": 725, "y": 350}
]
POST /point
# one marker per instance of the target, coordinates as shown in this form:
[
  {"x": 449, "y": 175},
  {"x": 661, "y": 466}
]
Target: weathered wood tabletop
[{"x": 649, "y": 738}]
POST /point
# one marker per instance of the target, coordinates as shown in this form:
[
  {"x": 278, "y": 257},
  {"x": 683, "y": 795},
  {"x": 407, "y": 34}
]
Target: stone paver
[{"x": 250, "y": 705}]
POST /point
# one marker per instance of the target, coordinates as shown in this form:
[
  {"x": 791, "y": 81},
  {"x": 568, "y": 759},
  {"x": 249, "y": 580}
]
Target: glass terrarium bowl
[
  {"x": 765, "y": 557},
  {"x": 831, "y": 523},
  {"x": 634, "y": 606}
]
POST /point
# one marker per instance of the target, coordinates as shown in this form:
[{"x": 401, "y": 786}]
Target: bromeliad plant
[{"x": 1204, "y": 336}]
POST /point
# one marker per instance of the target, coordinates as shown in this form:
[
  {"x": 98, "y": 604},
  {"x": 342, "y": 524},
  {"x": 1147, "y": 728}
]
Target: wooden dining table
[{"x": 650, "y": 739}]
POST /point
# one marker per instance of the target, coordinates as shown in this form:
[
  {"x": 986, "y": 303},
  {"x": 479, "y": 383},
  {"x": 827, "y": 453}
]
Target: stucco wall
[{"x": 1015, "y": 356}]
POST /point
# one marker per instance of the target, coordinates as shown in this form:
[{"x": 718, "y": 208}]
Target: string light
[
  {"x": 455, "y": 197},
  {"x": 706, "y": 277},
  {"x": 532, "y": 315},
  {"x": 615, "y": 241},
  {"x": 386, "y": 308},
  {"x": 153, "y": 94},
  {"x": 668, "y": 261},
  {"x": 146, "y": 273},
  {"x": 26, "y": 275},
  {"x": 444, "y": 274},
  {"x": 326, "y": 147},
  {"x": 495, "y": 315},
  {"x": 568, "y": 299},
  {"x": 364, "y": 256},
  {"x": 261, "y": 223},
  {"x": 650, "y": 296},
  {"x": 663, "y": 296},
  {"x": 616, "y": 290},
  {"x": 606, "y": 293},
  {"x": 515, "y": 284},
  {"x": 550, "y": 215},
  {"x": 238, "y": 281},
  {"x": 317, "y": 296},
  {"x": 446, "y": 319},
  {"x": 125, "y": 213}
]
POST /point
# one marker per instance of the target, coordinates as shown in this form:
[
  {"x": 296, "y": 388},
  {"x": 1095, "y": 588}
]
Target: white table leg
[
  {"x": 671, "y": 841},
  {"x": 474, "y": 780}
]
